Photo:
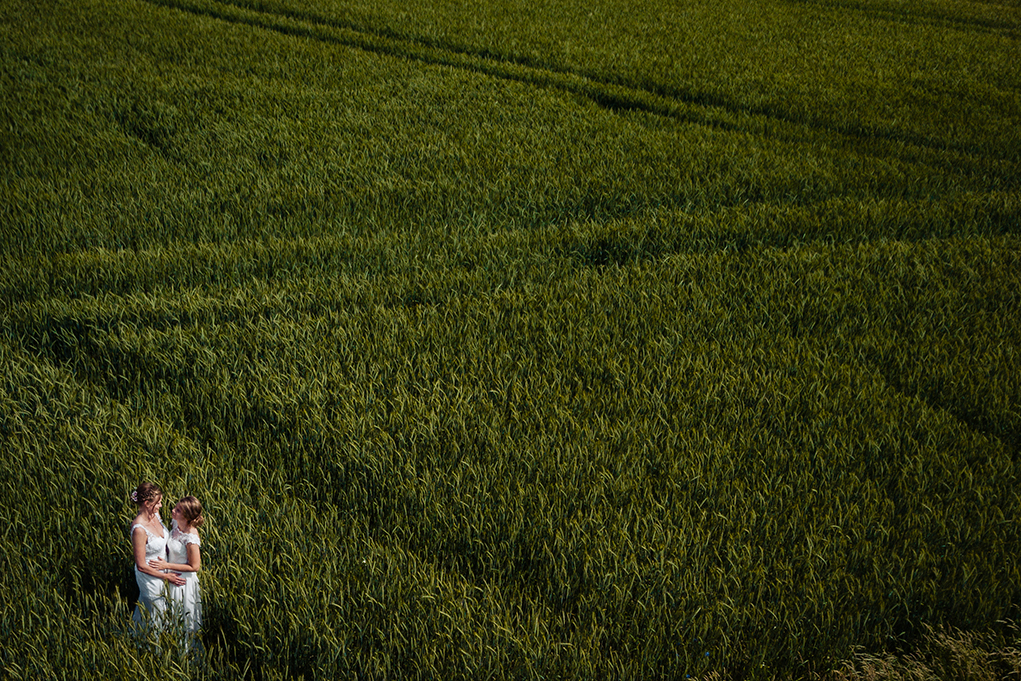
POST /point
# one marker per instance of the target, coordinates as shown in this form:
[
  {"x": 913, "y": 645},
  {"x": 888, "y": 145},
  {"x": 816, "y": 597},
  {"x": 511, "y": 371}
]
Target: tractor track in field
[
  {"x": 693, "y": 108},
  {"x": 601, "y": 91},
  {"x": 910, "y": 17}
]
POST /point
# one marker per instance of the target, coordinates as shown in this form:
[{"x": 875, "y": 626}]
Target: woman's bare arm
[
  {"x": 194, "y": 563},
  {"x": 138, "y": 540}
]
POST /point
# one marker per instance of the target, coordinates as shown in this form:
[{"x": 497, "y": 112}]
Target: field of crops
[{"x": 511, "y": 340}]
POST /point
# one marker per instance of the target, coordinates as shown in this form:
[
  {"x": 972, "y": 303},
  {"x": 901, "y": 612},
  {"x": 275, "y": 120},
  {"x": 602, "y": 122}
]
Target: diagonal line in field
[
  {"x": 687, "y": 107},
  {"x": 1000, "y": 430},
  {"x": 913, "y": 17},
  {"x": 604, "y": 93}
]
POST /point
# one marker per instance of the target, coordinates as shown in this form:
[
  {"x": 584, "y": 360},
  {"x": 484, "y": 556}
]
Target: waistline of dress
[{"x": 190, "y": 576}]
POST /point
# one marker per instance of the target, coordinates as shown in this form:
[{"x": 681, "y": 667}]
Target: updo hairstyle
[
  {"x": 144, "y": 493},
  {"x": 191, "y": 509}
]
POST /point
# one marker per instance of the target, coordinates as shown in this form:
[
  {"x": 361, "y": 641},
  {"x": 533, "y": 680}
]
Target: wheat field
[{"x": 603, "y": 340}]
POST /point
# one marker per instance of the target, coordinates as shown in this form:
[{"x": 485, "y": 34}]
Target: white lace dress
[
  {"x": 186, "y": 600},
  {"x": 152, "y": 602}
]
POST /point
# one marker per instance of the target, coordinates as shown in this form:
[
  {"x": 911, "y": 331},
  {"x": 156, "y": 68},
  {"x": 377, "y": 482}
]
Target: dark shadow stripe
[
  {"x": 700, "y": 109},
  {"x": 916, "y": 18}
]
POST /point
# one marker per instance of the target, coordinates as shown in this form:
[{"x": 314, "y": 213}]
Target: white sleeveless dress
[
  {"x": 186, "y": 600},
  {"x": 152, "y": 602}
]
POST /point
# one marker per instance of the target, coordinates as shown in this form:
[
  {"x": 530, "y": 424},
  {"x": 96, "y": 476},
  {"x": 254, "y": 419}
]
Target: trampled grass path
[
  {"x": 931, "y": 15},
  {"x": 714, "y": 111}
]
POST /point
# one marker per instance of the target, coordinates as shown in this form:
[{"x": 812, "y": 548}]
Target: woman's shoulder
[
  {"x": 187, "y": 537},
  {"x": 137, "y": 524}
]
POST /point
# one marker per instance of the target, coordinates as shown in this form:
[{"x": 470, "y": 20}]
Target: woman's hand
[{"x": 174, "y": 578}]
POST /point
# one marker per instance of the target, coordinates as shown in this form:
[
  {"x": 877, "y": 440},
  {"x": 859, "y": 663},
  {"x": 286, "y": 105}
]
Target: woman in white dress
[
  {"x": 184, "y": 557},
  {"x": 149, "y": 538}
]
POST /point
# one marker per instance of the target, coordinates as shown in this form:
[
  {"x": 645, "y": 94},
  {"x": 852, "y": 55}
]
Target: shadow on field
[
  {"x": 897, "y": 12},
  {"x": 692, "y": 107}
]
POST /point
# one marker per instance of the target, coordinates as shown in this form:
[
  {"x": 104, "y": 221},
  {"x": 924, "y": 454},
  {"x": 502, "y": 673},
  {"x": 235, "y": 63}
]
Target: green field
[{"x": 511, "y": 340}]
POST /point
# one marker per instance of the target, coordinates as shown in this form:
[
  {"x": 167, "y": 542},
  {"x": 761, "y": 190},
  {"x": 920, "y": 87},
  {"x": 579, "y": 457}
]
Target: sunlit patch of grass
[{"x": 942, "y": 653}]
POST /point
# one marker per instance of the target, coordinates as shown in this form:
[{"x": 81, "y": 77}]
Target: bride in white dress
[
  {"x": 149, "y": 538},
  {"x": 184, "y": 557}
]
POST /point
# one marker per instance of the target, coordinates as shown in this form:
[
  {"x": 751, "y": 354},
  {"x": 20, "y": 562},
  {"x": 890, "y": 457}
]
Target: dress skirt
[
  {"x": 186, "y": 603},
  {"x": 152, "y": 601}
]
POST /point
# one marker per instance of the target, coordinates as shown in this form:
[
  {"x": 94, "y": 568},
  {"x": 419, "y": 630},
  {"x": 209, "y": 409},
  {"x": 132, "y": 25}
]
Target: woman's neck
[{"x": 152, "y": 523}]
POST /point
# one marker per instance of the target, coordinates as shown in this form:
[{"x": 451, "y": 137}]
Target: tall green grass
[
  {"x": 152, "y": 135},
  {"x": 579, "y": 346}
]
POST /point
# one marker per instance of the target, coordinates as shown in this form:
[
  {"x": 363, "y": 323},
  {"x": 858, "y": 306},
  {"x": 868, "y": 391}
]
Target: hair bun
[
  {"x": 145, "y": 492},
  {"x": 191, "y": 509}
]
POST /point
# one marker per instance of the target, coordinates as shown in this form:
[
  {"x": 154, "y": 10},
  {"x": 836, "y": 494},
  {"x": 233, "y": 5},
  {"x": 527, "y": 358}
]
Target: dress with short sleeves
[
  {"x": 186, "y": 600},
  {"x": 152, "y": 602}
]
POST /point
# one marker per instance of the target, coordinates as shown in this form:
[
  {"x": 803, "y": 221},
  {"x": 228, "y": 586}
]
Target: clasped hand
[{"x": 174, "y": 578}]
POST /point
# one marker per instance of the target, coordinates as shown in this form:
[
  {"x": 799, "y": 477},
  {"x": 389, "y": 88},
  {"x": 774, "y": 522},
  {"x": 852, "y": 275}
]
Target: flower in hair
[{"x": 134, "y": 495}]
